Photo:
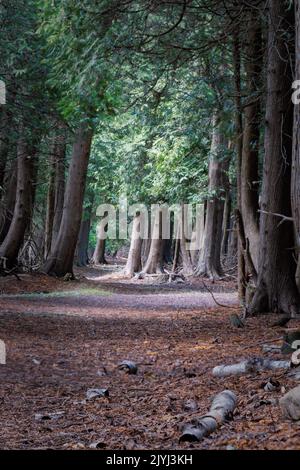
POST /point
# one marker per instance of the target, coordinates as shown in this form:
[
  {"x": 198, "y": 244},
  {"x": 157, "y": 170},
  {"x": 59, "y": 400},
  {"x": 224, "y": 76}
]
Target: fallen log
[
  {"x": 250, "y": 366},
  {"x": 220, "y": 411}
]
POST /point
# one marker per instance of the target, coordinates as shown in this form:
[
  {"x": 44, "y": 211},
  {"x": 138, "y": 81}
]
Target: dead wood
[
  {"x": 250, "y": 366},
  {"x": 220, "y": 411}
]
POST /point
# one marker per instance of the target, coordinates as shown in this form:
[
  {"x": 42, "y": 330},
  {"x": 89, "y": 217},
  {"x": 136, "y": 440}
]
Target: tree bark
[
  {"x": 249, "y": 166},
  {"x": 276, "y": 289},
  {"x": 187, "y": 265},
  {"x": 134, "y": 262},
  {"x": 146, "y": 244},
  {"x": 210, "y": 261},
  {"x": 59, "y": 181},
  {"x": 50, "y": 206},
  {"x": 239, "y": 150},
  {"x": 8, "y": 200},
  {"x": 24, "y": 201},
  {"x": 82, "y": 248},
  {"x": 82, "y": 258},
  {"x": 99, "y": 253},
  {"x": 60, "y": 261},
  {"x": 197, "y": 241},
  {"x": 233, "y": 241},
  {"x": 4, "y": 145},
  {"x": 154, "y": 264},
  {"x": 295, "y": 189},
  {"x": 226, "y": 223}
]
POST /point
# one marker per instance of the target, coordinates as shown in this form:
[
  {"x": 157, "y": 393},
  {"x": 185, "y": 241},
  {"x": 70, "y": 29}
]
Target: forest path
[
  {"x": 60, "y": 344},
  {"x": 98, "y": 289}
]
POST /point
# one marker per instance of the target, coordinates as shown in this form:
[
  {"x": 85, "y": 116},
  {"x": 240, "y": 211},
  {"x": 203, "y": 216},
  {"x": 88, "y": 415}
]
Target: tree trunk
[
  {"x": 167, "y": 250},
  {"x": 232, "y": 242},
  {"x": 9, "y": 200},
  {"x": 276, "y": 289},
  {"x": 82, "y": 258},
  {"x": 4, "y": 145},
  {"x": 295, "y": 189},
  {"x": 60, "y": 261},
  {"x": 239, "y": 150},
  {"x": 249, "y": 168},
  {"x": 187, "y": 265},
  {"x": 24, "y": 202},
  {"x": 146, "y": 244},
  {"x": 59, "y": 181},
  {"x": 154, "y": 264},
  {"x": 50, "y": 207},
  {"x": 210, "y": 261},
  {"x": 99, "y": 253},
  {"x": 134, "y": 262},
  {"x": 197, "y": 242},
  {"x": 226, "y": 224},
  {"x": 82, "y": 248}
]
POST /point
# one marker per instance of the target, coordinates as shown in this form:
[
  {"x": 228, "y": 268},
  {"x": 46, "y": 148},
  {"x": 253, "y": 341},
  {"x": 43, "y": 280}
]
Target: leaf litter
[{"x": 58, "y": 351}]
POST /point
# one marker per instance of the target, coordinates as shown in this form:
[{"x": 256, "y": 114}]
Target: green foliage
[
  {"x": 75, "y": 50},
  {"x": 148, "y": 76}
]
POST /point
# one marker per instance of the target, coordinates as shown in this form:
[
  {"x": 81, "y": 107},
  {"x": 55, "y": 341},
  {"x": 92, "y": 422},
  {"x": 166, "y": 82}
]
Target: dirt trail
[
  {"x": 96, "y": 292},
  {"x": 107, "y": 301},
  {"x": 69, "y": 337}
]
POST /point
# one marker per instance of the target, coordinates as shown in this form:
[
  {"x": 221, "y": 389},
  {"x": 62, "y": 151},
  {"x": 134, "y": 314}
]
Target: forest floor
[{"x": 64, "y": 338}]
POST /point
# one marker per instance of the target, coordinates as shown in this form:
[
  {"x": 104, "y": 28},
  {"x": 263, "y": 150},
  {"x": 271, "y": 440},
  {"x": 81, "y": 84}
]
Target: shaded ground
[{"x": 69, "y": 337}]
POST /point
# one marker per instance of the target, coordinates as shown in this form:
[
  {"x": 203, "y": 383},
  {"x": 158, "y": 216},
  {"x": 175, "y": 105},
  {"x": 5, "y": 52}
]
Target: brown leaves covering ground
[{"x": 58, "y": 347}]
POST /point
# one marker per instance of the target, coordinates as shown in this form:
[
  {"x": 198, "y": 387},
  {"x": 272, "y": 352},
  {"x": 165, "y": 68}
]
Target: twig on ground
[{"x": 215, "y": 300}]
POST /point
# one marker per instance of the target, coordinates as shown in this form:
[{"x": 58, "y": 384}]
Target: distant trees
[{"x": 163, "y": 104}]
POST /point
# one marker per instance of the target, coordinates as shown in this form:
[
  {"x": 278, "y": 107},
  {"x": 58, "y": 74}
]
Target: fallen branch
[
  {"x": 250, "y": 366},
  {"x": 220, "y": 411},
  {"x": 215, "y": 300}
]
